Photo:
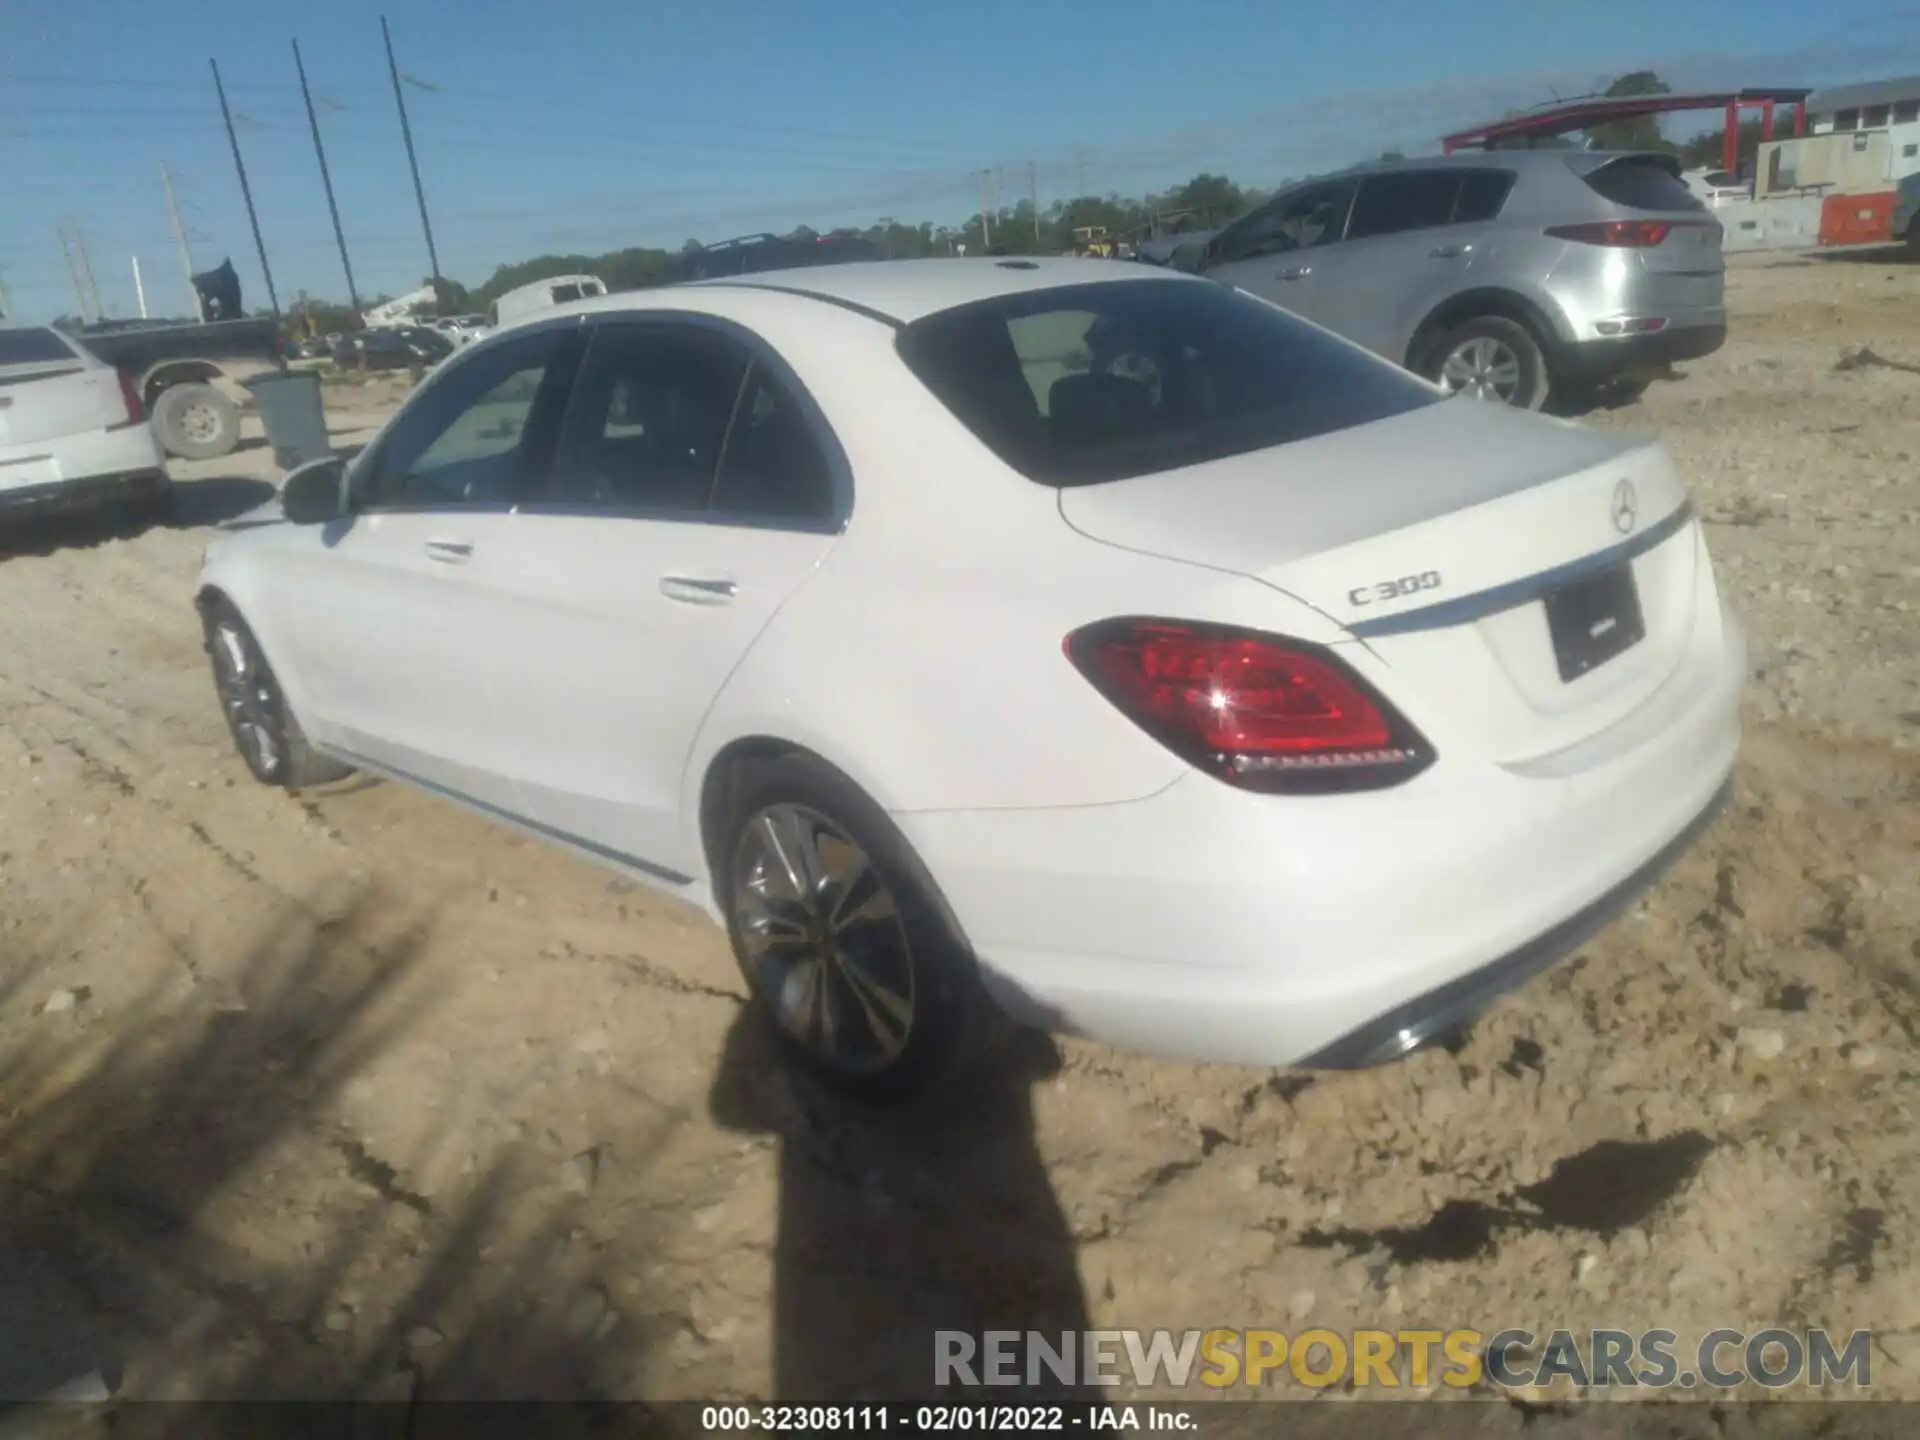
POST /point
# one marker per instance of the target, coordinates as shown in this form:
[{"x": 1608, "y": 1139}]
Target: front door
[
  {"x": 1286, "y": 251},
  {"x": 695, "y": 489},
  {"x": 399, "y": 604}
]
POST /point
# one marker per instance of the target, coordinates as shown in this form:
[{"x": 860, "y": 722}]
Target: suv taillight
[
  {"x": 130, "y": 393},
  {"x": 1628, "y": 234},
  {"x": 1254, "y": 710}
]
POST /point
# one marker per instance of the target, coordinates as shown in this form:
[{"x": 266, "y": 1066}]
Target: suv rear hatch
[{"x": 1660, "y": 224}]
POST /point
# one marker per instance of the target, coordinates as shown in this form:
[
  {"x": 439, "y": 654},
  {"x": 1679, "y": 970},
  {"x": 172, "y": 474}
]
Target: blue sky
[{"x": 581, "y": 126}]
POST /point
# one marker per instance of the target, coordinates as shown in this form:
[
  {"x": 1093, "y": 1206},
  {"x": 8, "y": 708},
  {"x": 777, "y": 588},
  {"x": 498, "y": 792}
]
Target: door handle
[
  {"x": 1296, "y": 272},
  {"x": 1450, "y": 252},
  {"x": 690, "y": 590},
  {"x": 450, "y": 552}
]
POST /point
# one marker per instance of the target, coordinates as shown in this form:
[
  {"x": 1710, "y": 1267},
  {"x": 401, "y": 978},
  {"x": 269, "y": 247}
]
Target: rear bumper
[
  {"x": 1407, "y": 1027},
  {"x": 1335, "y": 931},
  {"x": 1591, "y": 360}
]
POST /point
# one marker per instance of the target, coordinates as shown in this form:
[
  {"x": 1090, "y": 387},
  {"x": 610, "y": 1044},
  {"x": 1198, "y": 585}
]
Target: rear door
[
  {"x": 1415, "y": 237},
  {"x": 393, "y": 620},
  {"x": 49, "y": 389},
  {"x": 1288, "y": 250},
  {"x": 695, "y": 489}
]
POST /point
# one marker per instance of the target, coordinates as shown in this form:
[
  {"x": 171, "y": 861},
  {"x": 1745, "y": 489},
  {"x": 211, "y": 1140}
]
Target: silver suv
[{"x": 1510, "y": 275}]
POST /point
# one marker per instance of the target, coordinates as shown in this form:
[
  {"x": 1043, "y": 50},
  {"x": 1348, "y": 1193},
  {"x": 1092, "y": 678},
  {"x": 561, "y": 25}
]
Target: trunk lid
[{"x": 1435, "y": 537}]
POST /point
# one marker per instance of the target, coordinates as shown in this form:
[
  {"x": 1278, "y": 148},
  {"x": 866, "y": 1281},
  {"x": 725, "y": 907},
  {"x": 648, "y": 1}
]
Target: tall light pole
[
  {"x": 326, "y": 180},
  {"x": 413, "y": 161}
]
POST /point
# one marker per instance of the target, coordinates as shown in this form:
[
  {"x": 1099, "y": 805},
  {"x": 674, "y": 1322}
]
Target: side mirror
[
  {"x": 1190, "y": 258},
  {"x": 314, "y": 493}
]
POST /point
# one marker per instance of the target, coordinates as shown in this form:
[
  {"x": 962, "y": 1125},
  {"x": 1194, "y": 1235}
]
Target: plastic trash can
[{"x": 294, "y": 417}]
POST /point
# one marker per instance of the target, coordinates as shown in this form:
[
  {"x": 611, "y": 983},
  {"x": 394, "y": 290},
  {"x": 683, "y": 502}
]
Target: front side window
[
  {"x": 1315, "y": 215},
  {"x": 649, "y": 414},
  {"x": 480, "y": 433},
  {"x": 1410, "y": 200},
  {"x": 1084, "y": 384}
]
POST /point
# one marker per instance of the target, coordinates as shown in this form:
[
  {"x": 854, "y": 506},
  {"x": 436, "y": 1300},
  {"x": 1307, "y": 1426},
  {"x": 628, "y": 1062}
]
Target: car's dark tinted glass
[
  {"x": 1642, "y": 185},
  {"x": 480, "y": 434},
  {"x": 1409, "y": 200},
  {"x": 1313, "y": 215},
  {"x": 1482, "y": 193},
  {"x": 564, "y": 293},
  {"x": 774, "y": 468},
  {"x": 29, "y": 347},
  {"x": 649, "y": 414},
  {"x": 1089, "y": 383}
]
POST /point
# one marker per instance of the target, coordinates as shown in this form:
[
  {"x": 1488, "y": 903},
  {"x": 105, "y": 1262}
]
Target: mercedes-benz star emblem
[{"x": 1626, "y": 506}]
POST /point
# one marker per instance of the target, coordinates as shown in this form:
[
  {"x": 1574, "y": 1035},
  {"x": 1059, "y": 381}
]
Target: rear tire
[
  {"x": 262, "y": 723},
  {"x": 842, "y": 936},
  {"x": 196, "y": 422},
  {"x": 1492, "y": 357}
]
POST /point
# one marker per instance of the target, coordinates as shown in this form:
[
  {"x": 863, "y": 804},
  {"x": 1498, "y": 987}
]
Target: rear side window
[
  {"x": 1411, "y": 200},
  {"x": 1641, "y": 185},
  {"x": 29, "y": 347},
  {"x": 1089, "y": 383},
  {"x": 1482, "y": 193}
]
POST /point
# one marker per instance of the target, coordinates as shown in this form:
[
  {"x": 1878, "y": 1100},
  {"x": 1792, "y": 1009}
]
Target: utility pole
[
  {"x": 66, "y": 253},
  {"x": 326, "y": 180},
  {"x": 246, "y": 190},
  {"x": 413, "y": 163},
  {"x": 1033, "y": 195},
  {"x": 139, "y": 290},
  {"x": 1080, "y": 173},
  {"x": 180, "y": 234},
  {"x": 986, "y": 232},
  {"x": 6, "y": 301},
  {"x": 86, "y": 269}
]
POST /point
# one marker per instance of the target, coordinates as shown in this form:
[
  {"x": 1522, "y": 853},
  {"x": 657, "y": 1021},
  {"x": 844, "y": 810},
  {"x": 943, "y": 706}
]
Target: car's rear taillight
[
  {"x": 1626, "y": 234},
  {"x": 1257, "y": 711},
  {"x": 129, "y": 392}
]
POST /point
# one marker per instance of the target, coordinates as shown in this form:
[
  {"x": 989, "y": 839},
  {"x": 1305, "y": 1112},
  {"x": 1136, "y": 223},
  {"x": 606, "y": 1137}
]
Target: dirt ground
[{"x": 356, "y": 1094}]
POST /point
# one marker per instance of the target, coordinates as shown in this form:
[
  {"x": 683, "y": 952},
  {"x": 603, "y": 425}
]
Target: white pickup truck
[{"x": 73, "y": 431}]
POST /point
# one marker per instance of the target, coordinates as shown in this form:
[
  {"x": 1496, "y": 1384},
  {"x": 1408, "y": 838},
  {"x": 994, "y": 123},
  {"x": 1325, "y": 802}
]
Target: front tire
[
  {"x": 841, "y": 935},
  {"x": 264, "y": 728},
  {"x": 196, "y": 422},
  {"x": 1492, "y": 358}
]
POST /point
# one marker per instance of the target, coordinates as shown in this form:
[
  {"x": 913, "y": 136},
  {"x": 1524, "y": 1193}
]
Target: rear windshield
[
  {"x": 1089, "y": 383},
  {"x": 27, "y": 347},
  {"x": 1642, "y": 185}
]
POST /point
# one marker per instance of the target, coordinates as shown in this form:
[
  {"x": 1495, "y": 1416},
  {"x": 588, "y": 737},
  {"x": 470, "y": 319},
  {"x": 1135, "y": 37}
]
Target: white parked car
[
  {"x": 1099, "y": 640},
  {"x": 73, "y": 433}
]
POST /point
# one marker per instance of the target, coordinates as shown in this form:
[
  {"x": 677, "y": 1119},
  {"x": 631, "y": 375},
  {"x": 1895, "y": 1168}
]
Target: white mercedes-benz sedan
[{"x": 1100, "y": 643}]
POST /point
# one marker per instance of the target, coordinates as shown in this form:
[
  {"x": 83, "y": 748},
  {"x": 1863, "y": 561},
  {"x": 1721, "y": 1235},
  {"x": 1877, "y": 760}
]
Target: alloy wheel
[
  {"x": 823, "y": 940},
  {"x": 247, "y": 693},
  {"x": 1483, "y": 367}
]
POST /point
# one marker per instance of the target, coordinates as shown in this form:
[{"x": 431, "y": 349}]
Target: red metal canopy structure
[{"x": 1565, "y": 116}]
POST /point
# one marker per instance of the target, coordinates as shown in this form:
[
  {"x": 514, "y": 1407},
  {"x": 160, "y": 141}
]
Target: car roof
[{"x": 902, "y": 291}]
